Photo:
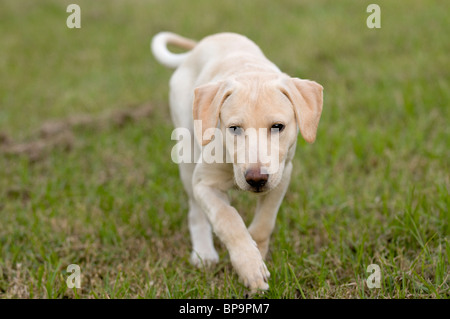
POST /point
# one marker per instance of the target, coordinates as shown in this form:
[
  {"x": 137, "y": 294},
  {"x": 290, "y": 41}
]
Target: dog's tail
[{"x": 163, "y": 55}]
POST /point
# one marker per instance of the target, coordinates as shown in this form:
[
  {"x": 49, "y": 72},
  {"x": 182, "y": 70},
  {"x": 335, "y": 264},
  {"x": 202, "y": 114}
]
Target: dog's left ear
[
  {"x": 208, "y": 100},
  {"x": 307, "y": 98}
]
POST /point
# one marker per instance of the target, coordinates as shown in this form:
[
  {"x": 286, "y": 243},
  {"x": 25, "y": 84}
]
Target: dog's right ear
[
  {"x": 208, "y": 100},
  {"x": 307, "y": 98}
]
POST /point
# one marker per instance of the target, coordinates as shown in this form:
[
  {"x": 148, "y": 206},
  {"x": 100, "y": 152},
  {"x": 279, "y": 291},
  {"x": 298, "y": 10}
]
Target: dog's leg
[
  {"x": 266, "y": 213},
  {"x": 203, "y": 251},
  {"x": 230, "y": 228}
]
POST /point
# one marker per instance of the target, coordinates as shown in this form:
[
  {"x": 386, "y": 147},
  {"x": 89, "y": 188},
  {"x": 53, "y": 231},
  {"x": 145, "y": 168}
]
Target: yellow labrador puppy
[{"x": 225, "y": 83}]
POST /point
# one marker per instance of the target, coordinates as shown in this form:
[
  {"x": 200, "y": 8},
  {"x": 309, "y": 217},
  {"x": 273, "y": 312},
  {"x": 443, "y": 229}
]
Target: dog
[{"x": 224, "y": 82}]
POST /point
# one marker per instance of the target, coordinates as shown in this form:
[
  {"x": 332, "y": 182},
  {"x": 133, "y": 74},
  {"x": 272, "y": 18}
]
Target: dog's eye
[
  {"x": 277, "y": 128},
  {"x": 236, "y": 130}
]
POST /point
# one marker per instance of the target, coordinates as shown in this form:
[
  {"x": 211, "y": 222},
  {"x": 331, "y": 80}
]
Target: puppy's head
[{"x": 259, "y": 116}]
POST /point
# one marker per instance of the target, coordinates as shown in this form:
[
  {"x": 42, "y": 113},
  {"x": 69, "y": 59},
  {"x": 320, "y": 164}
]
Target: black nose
[{"x": 255, "y": 179}]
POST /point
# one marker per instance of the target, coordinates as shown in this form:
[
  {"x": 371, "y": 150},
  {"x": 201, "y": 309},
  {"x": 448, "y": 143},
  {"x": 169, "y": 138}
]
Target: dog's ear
[
  {"x": 307, "y": 98},
  {"x": 208, "y": 100}
]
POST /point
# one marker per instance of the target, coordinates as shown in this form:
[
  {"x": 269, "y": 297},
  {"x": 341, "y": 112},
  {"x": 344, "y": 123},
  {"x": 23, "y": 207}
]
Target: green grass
[{"x": 373, "y": 189}]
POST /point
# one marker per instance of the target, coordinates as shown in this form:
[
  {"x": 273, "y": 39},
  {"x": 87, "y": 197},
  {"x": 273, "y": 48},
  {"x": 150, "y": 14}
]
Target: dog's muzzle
[{"x": 256, "y": 179}]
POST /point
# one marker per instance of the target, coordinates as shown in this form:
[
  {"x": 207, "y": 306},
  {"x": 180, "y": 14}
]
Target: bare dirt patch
[{"x": 59, "y": 134}]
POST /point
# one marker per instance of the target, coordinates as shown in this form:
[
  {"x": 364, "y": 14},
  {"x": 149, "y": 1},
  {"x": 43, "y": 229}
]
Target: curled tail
[{"x": 163, "y": 55}]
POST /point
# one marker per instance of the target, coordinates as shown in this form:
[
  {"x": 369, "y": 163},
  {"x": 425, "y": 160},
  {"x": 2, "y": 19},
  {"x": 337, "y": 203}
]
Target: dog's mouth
[
  {"x": 258, "y": 189},
  {"x": 253, "y": 189},
  {"x": 254, "y": 181}
]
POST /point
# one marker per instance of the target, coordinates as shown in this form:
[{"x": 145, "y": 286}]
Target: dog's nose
[{"x": 255, "y": 178}]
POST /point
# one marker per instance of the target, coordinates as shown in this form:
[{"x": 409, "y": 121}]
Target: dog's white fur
[{"x": 225, "y": 80}]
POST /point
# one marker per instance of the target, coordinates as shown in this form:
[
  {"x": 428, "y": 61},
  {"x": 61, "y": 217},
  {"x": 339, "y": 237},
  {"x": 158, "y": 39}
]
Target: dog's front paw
[
  {"x": 251, "y": 268},
  {"x": 204, "y": 258}
]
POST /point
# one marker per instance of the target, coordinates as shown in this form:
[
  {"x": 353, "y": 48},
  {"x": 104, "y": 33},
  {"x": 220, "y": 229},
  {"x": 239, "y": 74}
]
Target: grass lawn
[{"x": 86, "y": 176}]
